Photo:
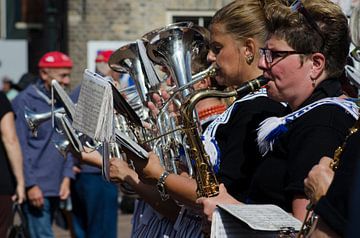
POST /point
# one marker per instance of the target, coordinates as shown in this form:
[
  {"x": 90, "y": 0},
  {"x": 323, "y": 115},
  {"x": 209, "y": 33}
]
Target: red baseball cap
[
  {"x": 103, "y": 56},
  {"x": 55, "y": 59}
]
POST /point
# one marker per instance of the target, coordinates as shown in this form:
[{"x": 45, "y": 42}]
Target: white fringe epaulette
[
  {"x": 271, "y": 128},
  {"x": 268, "y": 131}
]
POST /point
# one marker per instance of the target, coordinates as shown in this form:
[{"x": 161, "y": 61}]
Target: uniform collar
[{"x": 328, "y": 88}]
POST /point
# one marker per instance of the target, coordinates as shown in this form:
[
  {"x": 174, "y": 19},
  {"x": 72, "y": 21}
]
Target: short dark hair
[{"x": 295, "y": 29}]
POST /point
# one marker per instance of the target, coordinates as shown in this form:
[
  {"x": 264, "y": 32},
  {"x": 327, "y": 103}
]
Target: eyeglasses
[
  {"x": 271, "y": 55},
  {"x": 298, "y": 6},
  {"x": 355, "y": 53}
]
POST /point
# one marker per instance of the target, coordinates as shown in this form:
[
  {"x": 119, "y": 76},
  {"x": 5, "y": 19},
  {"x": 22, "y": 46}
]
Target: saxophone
[
  {"x": 310, "y": 220},
  {"x": 208, "y": 185}
]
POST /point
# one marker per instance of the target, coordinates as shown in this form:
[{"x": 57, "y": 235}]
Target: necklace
[{"x": 210, "y": 111}]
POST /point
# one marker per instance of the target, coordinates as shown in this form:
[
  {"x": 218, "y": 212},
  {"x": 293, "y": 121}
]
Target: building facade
[{"x": 69, "y": 25}]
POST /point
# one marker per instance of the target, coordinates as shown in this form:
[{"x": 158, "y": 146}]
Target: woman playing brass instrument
[
  {"x": 150, "y": 204},
  {"x": 237, "y": 32},
  {"x": 303, "y": 70}
]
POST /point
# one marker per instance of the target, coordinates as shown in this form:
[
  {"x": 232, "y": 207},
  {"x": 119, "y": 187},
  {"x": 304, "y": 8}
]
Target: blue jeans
[
  {"x": 40, "y": 220},
  {"x": 94, "y": 206}
]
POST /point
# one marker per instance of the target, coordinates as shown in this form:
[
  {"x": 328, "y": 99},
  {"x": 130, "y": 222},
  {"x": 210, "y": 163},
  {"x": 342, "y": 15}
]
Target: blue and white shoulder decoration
[
  {"x": 208, "y": 137},
  {"x": 271, "y": 128}
]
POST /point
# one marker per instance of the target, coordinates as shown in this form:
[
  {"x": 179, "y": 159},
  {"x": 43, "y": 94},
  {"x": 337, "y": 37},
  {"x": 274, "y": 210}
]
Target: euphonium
[
  {"x": 310, "y": 220},
  {"x": 127, "y": 59},
  {"x": 206, "y": 180},
  {"x": 172, "y": 46},
  {"x": 115, "y": 151}
]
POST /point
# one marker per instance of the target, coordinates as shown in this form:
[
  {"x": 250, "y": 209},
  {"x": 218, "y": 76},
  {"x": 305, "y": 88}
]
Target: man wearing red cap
[
  {"x": 101, "y": 64},
  {"x": 47, "y": 174}
]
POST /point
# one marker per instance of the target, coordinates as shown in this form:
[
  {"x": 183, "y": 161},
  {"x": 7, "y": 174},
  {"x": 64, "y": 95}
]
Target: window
[
  {"x": 22, "y": 15},
  {"x": 201, "y": 18}
]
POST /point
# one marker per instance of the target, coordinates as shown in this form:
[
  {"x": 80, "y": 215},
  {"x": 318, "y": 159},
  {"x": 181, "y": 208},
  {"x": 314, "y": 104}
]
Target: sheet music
[
  {"x": 131, "y": 145},
  {"x": 262, "y": 217},
  {"x": 94, "y": 110},
  {"x": 225, "y": 225},
  {"x": 218, "y": 226}
]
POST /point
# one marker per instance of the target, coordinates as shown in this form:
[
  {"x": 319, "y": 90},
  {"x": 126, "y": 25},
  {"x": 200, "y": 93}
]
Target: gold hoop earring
[{"x": 249, "y": 59}]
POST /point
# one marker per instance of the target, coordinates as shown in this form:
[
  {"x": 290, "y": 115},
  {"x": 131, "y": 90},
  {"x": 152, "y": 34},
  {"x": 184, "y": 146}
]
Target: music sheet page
[
  {"x": 224, "y": 225},
  {"x": 131, "y": 145},
  {"x": 94, "y": 110},
  {"x": 262, "y": 217}
]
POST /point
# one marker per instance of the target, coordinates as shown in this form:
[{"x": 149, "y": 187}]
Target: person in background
[
  {"x": 101, "y": 63},
  {"x": 47, "y": 174},
  {"x": 25, "y": 80},
  {"x": 12, "y": 185},
  {"x": 94, "y": 200},
  {"x": 9, "y": 88}
]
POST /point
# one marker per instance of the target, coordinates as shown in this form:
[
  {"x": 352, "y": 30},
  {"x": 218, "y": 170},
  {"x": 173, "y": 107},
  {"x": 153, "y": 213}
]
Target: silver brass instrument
[
  {"x": 62, "y": 146},
  {"x": 35, "y": 119},
  {"x": 127, "y": 60},
  {"x": 115, "y": 151},
  {"x": 309, "y": 221},
  {"x": 169, "y": 143},
  {"x": 173, "y": 46},
  {"x": 206, "y": 180}
]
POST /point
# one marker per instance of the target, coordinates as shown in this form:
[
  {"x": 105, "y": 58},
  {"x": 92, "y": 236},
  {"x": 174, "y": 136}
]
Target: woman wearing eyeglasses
[{"x": 304, "y": 54}]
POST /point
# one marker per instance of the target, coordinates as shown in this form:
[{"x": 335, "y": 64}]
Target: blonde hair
[{"x": 242, "y": 19}]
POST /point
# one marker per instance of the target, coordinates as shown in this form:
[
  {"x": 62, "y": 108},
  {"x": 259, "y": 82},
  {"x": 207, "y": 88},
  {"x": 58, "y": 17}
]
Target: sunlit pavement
[{"x": 124, "y": 227}]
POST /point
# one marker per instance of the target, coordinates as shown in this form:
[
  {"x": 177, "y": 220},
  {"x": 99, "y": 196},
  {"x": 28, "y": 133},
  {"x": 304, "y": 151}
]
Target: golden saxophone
[
  {"x": 309, "y": 221},
  {"x": 208, "y": 185}
]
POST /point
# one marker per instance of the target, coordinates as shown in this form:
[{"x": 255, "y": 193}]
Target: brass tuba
[
  {"x": 173, "y": 46},
  {"x": 205, "y": 177},
  {"x": 127, "y": 59}
]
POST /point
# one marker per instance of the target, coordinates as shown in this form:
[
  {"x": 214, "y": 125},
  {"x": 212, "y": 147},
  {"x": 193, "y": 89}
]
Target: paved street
[{"x": 124, "y": 227}]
